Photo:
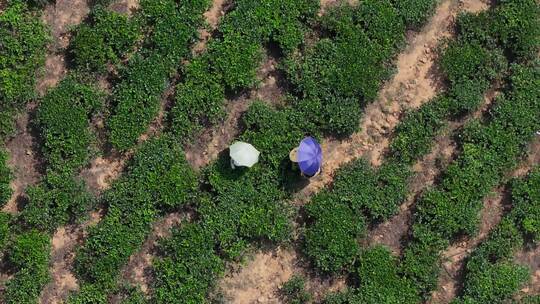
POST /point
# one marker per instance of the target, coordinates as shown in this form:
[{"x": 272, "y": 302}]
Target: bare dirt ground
[
  {"x": 530, "y": 257},
  {"x": 21, "y": 147},
  {"x": 259, "y": 280},
  {"x": 392, "y": 232},
  {"x": 455, "y": 256},
  {"x": 126, "y": 7},
  {"x": 426, "y": 171},
  {"x": 23, "y": 160},
  {"x": 60, "y": 17},
  {"x": 212, "y": 16}
]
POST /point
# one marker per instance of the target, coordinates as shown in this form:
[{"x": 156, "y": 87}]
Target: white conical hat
[{"x": 243, "y": 154}]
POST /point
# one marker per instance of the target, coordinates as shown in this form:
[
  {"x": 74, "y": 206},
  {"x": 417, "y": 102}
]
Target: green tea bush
[
  {"x": 526, "y": 205},
  {"x": 236, "y": 59},
  {"x": 23, "y": 38},
  {"x": 379, "y": 279},
  {"x": 413, "y": 136},
  {"x": 29, "y": 254},
  {"x": 158, "y": 178},
  {"x": 232, "y": 58},
  {"x": 246, "y": 206},
  {"x": 517, "y": 24},
  {"x": 137, "y": 96},
  {"x": 420, "y": 257},
  {"x": 189, "y": 268},
  {"x": 200, "y": 92},
  {"x": 56, "y": 201},
  {"x": 5, "y": 178},
  {"x": 374, "y": 193},
  {"x": 490, "y": 274},
  {"x": 106, "y": 38},
  {"x": 347, "y": 68},
  {"x": 491, "y": 277},
  {"x": 468, "y": 60},
  {"x": 89, "y": 293},
  {"x": 275, "y": 132},
  {"x": 361, "y": 194},
  {"x": 488, "y": 151},
  {"x": 415, "y": 12},
  {"x": 63, "y": 122},
  {"x": 293, "y": 291},
  {"x": 331, "y": 241}
]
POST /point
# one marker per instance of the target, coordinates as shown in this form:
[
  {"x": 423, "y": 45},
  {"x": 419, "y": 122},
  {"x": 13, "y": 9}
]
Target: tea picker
[
  {"x": 308, "y": 155},
  {"x": 243, "y": 154}
]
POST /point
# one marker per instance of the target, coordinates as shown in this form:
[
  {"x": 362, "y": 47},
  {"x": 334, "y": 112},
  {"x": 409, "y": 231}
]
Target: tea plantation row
[
  {"x": 242, "y": 207},
  {"x": 335, "y": 220}
]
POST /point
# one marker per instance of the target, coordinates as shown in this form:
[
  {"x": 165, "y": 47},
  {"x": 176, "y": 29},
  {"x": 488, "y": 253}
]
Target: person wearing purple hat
[{"x": 308, "y": 155}]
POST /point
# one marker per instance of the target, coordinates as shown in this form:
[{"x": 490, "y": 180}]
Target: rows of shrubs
[
  {"x": 444, "y": 212},
  {"x": 23, "y": 41},
  {"x": 488, "y": 148},
  {"x": 136, "y": 98},
  {"x": 366, "y": 196},
  {"x": 470, "y": 64},
  {"x": 491, "y": 276},
  {"x": 240, "y": 207},
  {"x": 23, "y": 38},
  {"x": 157, "y": 179},
  {"x": 63, "y": 123},
  {"x": 231, "y": 60}
]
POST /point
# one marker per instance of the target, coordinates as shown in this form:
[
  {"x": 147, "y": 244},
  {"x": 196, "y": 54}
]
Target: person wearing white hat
[{"x": 243, "y": 155}]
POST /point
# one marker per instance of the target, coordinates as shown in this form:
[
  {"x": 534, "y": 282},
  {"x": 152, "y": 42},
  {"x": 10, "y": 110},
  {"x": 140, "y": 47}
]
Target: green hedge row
[
  {"x": 60, "y": 198},
  {"x": 23, "y": 38},
  {"x": 237, "y": 207},
  {"x": 231, "y": 60},
  {"x": 29, "y": 255},
  {"x": 377, "y": 194},
  {"x": 136, "y": 98},
  {"x": 63, "y": 120},
  {"x": 341, "y": 73},
  {"x": 488, "y": 151},
  {"x": 293, "y": 291},
  {"x": 157, "y": 179},
  {"x": 106, "y": 38},
  {"x": 335, "y": 218},
  {"x": 57, "y": 200},
  {"x": 490, "y": 274},
  {"x": 377, "y": 279},
  {"x": 470, "y": 67},
  {"x": 415, "y": 12},
  {"x": 189, "y": 268}
]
